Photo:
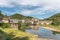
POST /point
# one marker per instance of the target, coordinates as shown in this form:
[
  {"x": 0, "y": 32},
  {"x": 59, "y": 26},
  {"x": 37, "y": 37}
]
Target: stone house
[
  {"x": 23, "y": 20},
  {"x": 35, "y": 21},
  {"x": 14, "y": 23},
  {"x": 5, "y": 19},
  {"x": 47, "y": 22}
]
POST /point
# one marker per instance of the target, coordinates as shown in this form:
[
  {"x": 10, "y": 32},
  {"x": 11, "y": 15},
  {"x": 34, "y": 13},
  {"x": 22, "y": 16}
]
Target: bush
[
  {"x": 5, "y": 25},
  {"x": 22, "y": 26}
]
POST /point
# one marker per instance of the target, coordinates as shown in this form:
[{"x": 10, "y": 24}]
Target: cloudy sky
[{"x": 36, "y": 8}]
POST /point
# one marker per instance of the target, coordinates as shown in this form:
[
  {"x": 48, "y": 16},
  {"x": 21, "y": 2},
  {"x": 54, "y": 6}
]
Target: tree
[
  {"x": 1, "y": 14},
  {"x": 55, "y": 18},
  {"x": 19, "y": 16},
  {"x": 22, "y": 26},
  {"x": 4, "y": 25}
]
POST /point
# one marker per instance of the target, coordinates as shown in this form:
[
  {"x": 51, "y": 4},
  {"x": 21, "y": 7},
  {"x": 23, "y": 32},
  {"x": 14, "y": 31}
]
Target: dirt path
[
  {"x": 42, "y": 39},
  {"x": 52, "y": 29}
]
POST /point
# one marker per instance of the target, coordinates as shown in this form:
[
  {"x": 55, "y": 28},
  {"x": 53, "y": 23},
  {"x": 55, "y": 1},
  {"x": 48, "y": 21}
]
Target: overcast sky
[{"x": 35, "y": 8}]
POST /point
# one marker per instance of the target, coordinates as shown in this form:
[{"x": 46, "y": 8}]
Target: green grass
[
  {"x": 54, "y": 26},
  {"x": 14, "y": 34}
]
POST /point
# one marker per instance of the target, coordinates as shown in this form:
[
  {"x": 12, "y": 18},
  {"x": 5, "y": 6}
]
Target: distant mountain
[
  {"x": 19, "y": 16},
  {"x": 55, "y": 18}
]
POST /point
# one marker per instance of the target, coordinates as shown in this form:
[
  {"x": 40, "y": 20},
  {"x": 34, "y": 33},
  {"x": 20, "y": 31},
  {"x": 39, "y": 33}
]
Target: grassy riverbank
[
  {"x": 14, "y": 34},
  {"x": 55, "y": 21},
  {"x": 54, "y": 26}
]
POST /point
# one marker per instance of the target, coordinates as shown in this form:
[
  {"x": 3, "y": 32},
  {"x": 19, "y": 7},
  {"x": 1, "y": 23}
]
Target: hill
[
  {"x": 19, "y": 16},
  {"x": 55, "y": 18}
]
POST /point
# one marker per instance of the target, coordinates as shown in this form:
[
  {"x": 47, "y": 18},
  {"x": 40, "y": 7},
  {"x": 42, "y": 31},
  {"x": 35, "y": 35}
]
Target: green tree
[
  {"x": 55, "y": 18},
  {"x": 1, "y": 14},
  {"x": 19, "y": 16},
  {"x": 4, "y": 25},
  {"x": 22, "y": 26}
]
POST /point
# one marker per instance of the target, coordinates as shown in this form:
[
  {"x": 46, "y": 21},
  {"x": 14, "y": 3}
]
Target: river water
[{"x": 44, "y": 33}]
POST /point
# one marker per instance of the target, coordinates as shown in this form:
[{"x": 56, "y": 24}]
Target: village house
[
  {"x": 5, "y": 19},
  {"x": 14, "y": 23},
  {"x": 47, "y": 22},
  {"x": 23, "y": 20},
  {"x": 35, "y": 21}
]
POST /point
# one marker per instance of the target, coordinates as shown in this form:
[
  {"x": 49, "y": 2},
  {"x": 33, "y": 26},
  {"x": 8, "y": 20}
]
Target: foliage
[
  {"x": 13, "y": 34},
  {"x": 4, "y": 25},
  {"x": 1, "y": 14},
  {"x": 55, "y": 18},
  {"x": 19, "y": 16},
  {"x": 22, "y": 26},
  {"x": 28, "y": 17}
]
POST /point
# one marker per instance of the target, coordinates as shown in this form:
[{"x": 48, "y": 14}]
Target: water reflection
[{"x": 44, "y": 33}]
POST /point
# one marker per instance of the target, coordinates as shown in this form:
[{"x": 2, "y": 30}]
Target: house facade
[
  {"x": 5, "y": 19},
  {"x": 47, "y": 22},
  {"x": 13, "y": 23},
  {"x": 35, "y": 21}
]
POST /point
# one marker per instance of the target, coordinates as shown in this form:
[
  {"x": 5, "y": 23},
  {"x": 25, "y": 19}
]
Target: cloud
[
  {"x": 5, "y": 3},
  {"x": 38, "y": 8},
  {"x": 46, "y": 3},
  {"x": 26, "y": 12}
]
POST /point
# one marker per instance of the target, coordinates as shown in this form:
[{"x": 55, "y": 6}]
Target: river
[{"x": 44, "y": 34}]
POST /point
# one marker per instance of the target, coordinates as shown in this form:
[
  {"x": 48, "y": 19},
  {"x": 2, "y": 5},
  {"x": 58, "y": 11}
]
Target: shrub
[
  {"x": 22, "y": 26},
  {"x": 5, "y": 25}
]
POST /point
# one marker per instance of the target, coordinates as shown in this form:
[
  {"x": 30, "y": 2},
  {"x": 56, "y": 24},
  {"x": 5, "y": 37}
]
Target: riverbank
[
  {"x": 54, "y": 26},
  {"x": 52, "y": 29},
  {"x": 11, "y": 33},
  {"x": 42, "y": 39},
  {"x": 44, "y": 34},
  {"x": 14, "y": 34}
]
